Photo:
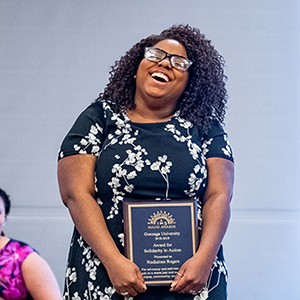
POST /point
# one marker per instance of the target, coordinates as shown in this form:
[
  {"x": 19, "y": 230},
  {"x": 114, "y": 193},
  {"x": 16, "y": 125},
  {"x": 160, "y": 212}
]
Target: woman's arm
[
  {"x": 76, "y": 182},
  {"x": 215, "y": 215},
  {"x": 39, "y": 278}
]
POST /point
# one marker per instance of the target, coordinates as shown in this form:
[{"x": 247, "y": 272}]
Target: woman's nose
[{"x": 165, "y": 63}]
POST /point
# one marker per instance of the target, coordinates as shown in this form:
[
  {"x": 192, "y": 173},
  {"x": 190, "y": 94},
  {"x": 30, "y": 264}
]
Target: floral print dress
[
  {"x": 161, "y": 161},
  {"x": 12, "y": 284}
]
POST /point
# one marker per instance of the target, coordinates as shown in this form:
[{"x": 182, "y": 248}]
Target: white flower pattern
[
  {"x": 200, "y": 173},
  {"x": 163, "y": 167}
]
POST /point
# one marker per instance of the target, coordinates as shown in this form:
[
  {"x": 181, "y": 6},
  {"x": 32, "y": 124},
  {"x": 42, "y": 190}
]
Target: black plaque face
[{"x": 160, "y": 236}]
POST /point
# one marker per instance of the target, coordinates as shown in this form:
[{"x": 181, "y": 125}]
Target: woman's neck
[
  {"x": 144, "y": 115},
  {"x": 136, "y": 118},
  {"x": 151, "y": 111},
  {"x": 3, "y": 241}
]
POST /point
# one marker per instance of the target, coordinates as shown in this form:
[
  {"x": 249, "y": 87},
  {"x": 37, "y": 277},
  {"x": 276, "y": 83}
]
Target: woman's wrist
[
  {"x": 112, "y": 259},
  {"x": 205, "y": 256}
]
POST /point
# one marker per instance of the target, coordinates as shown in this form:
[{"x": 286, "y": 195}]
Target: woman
[
  {"x": 23, "y": 273},
  {"x": 153, "y": 133}
]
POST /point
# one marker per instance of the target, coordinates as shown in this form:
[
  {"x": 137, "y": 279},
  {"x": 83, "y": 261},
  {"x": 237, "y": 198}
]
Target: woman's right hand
[
  {"x": 125, "y": 276},
  {"x": 76, "y": 182}
]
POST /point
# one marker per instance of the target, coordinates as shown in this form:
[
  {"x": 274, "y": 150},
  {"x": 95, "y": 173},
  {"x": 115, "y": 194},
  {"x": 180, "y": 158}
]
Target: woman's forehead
[{"x": 171, "y": 46}]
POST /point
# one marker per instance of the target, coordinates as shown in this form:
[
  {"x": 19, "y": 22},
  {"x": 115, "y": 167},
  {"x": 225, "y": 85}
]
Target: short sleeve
[
  {"x": 215, "y": 143},
  {"x": 86, "y": 134}
]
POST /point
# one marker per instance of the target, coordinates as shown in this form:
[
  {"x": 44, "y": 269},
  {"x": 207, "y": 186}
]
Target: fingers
[
  {"x": 190, "y": 286},
  {"x": 183, "y": 284},
  {"x": 125, "y": 294},
  {"x": 132, "y": 292},
  {"x": 176, "y": 281},
  {"x": 127, "y": 278},
  {"x": 133, "y": 287},
  {"x": 142, "y": 288}
]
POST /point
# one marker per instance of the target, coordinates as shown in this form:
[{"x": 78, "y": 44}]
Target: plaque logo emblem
[{"x": 161, "y": 219}]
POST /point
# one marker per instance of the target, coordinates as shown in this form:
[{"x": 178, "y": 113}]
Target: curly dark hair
[
  {"x": 6, "y": 201},
  {"x": 205, "y": 96}
]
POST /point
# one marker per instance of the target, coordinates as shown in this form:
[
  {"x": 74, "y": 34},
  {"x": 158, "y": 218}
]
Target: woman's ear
[{"x": 134, "y": 76}]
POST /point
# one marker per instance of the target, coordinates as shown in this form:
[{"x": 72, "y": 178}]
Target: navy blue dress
[{"x": 161, "y": 161}]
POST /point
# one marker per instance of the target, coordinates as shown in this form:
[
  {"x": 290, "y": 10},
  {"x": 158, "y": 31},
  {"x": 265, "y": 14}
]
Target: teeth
[{"x": 162, "y": 76}]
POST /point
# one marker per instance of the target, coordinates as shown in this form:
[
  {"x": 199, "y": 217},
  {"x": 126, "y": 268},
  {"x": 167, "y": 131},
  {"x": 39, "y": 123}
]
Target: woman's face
[
  {"x": 2, "y": 213},
  {"x": 158, "y": 84}
]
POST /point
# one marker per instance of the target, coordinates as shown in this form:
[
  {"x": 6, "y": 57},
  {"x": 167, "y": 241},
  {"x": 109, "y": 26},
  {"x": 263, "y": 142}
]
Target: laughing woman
[{"x": 154, "y": 133}]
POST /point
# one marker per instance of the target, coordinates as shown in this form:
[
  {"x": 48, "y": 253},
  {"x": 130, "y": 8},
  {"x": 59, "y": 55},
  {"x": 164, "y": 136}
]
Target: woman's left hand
[
  {"x": 194, "y": 273},
  {"x": 192, "y": 276}
]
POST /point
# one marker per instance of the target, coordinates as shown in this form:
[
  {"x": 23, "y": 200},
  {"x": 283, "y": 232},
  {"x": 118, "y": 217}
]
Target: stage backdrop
[{"x": 54, "y": 60}]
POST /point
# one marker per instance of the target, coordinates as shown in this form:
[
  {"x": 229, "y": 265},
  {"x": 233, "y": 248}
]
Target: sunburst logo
[{"x": 161, "y": 218}]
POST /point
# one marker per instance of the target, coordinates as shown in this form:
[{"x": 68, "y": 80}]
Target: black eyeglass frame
[{"x": 169, "y": 56}]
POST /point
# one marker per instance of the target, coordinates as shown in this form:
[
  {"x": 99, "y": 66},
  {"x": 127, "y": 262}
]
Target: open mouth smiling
[{"x": 160, "y": 77}]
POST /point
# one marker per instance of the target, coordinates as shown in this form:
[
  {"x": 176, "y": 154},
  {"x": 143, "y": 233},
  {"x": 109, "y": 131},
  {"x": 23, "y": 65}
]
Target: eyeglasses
[{"x": 177, "y": 61}]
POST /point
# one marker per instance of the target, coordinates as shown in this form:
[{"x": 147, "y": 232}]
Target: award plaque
[{"x": 160, "y": 236}]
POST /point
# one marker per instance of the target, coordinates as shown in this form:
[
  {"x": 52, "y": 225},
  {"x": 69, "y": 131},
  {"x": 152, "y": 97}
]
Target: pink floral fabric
[{"x": 12, "y": 284}]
